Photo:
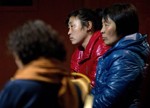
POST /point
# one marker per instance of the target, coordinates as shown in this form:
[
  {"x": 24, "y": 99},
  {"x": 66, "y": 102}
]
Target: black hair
[
  {"x": 125, "y": 17},
  {"x": 85, "y": 15}
]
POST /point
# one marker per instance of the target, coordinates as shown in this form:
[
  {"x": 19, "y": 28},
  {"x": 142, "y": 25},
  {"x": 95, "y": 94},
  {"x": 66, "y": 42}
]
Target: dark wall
[{"x": 54, "y": 13}]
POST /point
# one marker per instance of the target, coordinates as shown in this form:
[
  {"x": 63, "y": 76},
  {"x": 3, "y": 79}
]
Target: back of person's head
[
  {"x": 36, "y": 39},
  {"x": 85, "y": 15},
  {"x": 99, "y": 12},
  {"x": 125, "y": 17}
]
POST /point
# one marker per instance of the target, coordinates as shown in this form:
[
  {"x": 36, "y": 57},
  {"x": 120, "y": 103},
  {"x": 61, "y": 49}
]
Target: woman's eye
[
  {"x": 106, "y": 24},
  {"x": 70, "y": 26}
]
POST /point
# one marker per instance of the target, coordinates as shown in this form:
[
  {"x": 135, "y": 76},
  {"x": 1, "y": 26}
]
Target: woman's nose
[{"x": 102, "y": 30}]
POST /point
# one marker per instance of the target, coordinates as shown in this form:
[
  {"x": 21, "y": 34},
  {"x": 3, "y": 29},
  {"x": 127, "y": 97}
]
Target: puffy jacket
[
  {"x": 119, "y": 73},
  {"x": 85, "y": 61}
]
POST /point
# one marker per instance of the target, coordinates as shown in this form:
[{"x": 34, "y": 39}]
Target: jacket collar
[
  {"x": 134, "y": 42},
  {"x": 41, "y": 70},
  {"x": 90, "y": 45}
]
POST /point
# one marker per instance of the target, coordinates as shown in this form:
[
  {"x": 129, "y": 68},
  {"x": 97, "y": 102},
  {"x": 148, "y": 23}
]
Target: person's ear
[{"x": 90, "y": 25}]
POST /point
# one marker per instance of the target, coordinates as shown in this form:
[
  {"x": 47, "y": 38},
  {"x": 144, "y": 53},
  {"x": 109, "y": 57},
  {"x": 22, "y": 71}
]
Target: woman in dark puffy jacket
[{"x": 119, "y": 71}]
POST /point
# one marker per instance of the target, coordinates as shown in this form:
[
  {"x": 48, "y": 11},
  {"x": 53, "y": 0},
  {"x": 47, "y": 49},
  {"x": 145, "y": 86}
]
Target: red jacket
[{"x": 85, "y": 61}]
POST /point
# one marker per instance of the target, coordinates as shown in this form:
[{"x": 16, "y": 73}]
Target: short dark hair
[
  {"x": 125, "y": 17},
  {"x": 85, "y": 15},
  {"x": 36, "y": 39}
]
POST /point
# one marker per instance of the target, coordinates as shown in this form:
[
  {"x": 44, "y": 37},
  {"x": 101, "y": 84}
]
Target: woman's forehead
[{"x": 107, "y": 19}]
